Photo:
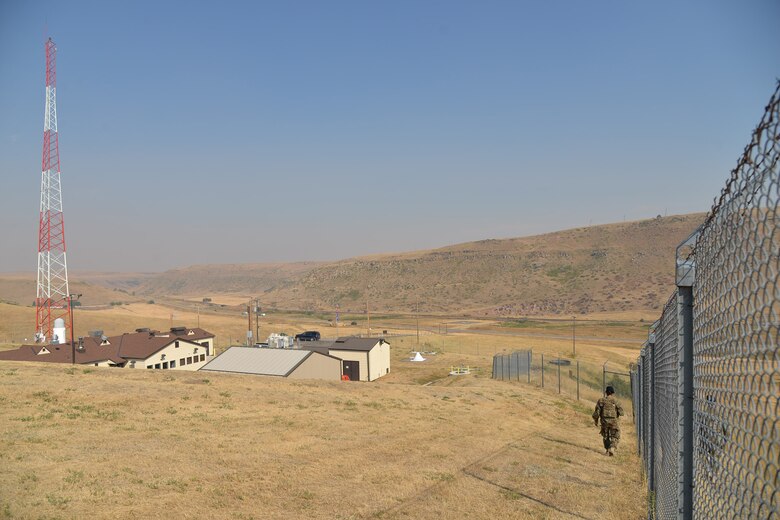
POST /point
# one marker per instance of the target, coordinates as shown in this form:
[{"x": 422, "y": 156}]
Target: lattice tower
[{"x": 52, "y": 300}]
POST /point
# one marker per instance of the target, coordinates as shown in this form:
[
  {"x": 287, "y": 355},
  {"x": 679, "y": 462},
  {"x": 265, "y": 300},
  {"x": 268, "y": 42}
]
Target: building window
[
  {"x": 149, "y": 367},
  {"x": 182, "y": 362},
  {"x": 157, "y": 366},
  {"x": 177, "y": 344},
  {"x": 189, "y": 360},
  {"x": 203, "y": 357},
  {"x": 165, "y": 366},
  {"x": 173, "y": 364},
  {"x": 96, "y": 364}
]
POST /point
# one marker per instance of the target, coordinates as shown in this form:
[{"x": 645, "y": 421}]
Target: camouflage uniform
[{"x": 608, "y": 410}]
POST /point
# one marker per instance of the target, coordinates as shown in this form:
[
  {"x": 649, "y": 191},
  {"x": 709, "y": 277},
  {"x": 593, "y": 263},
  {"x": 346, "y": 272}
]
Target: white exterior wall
[
  {"x": 103, "y": 363},
  {"x": 352, "y": 355},
  {"x": 170, "y": 353},
  {"x": 209, "y": 342},
  {"x": 379, "y": 361}
]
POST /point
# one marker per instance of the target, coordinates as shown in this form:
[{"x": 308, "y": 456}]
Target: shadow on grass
[
  {"x": 574, "y": 444},
  {"x": 514, "y": 492}
]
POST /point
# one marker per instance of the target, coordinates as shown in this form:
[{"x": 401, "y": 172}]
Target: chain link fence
[
  {"x": 574, "y": 378},
  {"x": 708, "y": 417},
  {"x": 667, "y": 383}
]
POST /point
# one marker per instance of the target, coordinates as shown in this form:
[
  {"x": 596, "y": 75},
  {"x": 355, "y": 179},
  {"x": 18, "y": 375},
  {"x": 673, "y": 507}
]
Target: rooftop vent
[
  {"x": 143, "y": 329},
  {"x": 179, "y": 330}
]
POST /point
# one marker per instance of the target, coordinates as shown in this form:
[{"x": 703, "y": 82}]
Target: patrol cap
[{"x": 610, "y": 390}]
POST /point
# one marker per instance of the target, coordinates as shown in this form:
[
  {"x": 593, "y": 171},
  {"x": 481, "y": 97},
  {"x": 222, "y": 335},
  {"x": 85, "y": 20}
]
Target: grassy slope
[
  {"x": 140, "y": 444},
  {"x": 156, "y": 444}
]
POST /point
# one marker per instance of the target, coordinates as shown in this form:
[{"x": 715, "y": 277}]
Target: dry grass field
[
  {"x": 111, "y": 443},
  {"x": 416, "y": 444}
]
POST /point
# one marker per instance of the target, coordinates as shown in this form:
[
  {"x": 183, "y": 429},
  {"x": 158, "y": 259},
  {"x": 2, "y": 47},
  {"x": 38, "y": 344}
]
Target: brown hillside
[
  {"x": 19, "y": 288},
  {"x": 206, "y": 280},
  {"x": 615, "y": 267}
]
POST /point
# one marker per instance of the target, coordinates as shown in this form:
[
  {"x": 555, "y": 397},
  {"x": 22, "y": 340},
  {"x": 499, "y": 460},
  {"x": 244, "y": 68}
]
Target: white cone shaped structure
[{"x": 417, "y": 357}]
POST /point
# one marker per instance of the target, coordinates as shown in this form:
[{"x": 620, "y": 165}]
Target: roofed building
[
  {"x": 180, "y": 348},
  {"x": 363, "y": 359},
  {"x": 292, "y": 363}
]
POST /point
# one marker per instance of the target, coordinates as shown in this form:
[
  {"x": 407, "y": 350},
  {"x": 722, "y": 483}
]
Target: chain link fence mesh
[
  {"x": 735, "y": 419},
  {"x": 736, "y": 319},
  {"x": 666, "y": 412}
]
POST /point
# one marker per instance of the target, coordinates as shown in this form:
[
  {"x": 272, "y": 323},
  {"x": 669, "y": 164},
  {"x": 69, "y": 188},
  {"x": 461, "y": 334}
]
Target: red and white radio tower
[{"x": 52, "y": 299}]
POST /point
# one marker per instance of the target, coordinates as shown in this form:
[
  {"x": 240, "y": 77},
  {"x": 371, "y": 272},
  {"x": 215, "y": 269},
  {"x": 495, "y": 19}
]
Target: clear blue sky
[{"x": 223, "y": 132}]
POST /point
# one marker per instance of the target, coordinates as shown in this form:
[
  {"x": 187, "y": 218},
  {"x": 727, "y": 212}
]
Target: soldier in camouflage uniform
[{"x": 608, "y": 410}]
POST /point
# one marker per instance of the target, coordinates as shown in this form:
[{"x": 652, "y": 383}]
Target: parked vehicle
[{"x": 309, "y": 335}]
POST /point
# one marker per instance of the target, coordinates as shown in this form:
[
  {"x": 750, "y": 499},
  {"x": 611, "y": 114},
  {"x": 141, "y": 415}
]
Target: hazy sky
[{"x": 219, "y": 132}]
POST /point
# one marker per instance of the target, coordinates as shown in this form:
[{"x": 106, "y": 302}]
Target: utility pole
[
  {"x": 418, "y": 321},
  {"x": 72, "y": 343},
  {"x": 573, "y": 336},
  {"x": 368, "y": 314},
  {"x": 52, "y": 299},
  {"x": 257, "y": 320},
  {"x": 249, "y": 327}
]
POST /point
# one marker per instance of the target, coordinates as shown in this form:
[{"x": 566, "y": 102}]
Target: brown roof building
[{"x": 180, "y": 348}]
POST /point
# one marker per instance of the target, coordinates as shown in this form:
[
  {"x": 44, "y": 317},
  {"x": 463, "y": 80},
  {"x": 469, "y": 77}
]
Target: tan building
[
  {"x": 291, "y": 363},
  {"x": 363, "y": 359},
  {"x": 181, "y": 348}
]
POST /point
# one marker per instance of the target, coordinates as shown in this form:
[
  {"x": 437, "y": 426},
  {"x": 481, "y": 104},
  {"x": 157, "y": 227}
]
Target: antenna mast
[{"x": 52, "y": 299}]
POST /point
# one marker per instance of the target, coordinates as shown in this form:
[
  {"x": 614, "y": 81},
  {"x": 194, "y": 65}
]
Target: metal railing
[{"x": 708, "y": 378}]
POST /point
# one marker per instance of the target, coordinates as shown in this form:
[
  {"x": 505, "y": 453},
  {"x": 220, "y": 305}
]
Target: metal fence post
[
  {"x": 639, "y": 395},
  {"x": 685, "y": 400},
  {"x": 559, "y": 374},
  {"x": 633, "y": 392},
  {"x": 686, "y": 273},
  {"x": 578, "y": 380},
  {"x": 542, "y": 370},
  {"x": 529, "y": 367}
]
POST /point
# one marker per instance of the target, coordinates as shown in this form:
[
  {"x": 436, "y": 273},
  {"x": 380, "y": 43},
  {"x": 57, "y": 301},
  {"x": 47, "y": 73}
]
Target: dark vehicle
[{"x": 309, "y": 335}]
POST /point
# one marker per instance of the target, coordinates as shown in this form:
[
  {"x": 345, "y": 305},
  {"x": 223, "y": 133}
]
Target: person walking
[{"x": 608, "y": 411}]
